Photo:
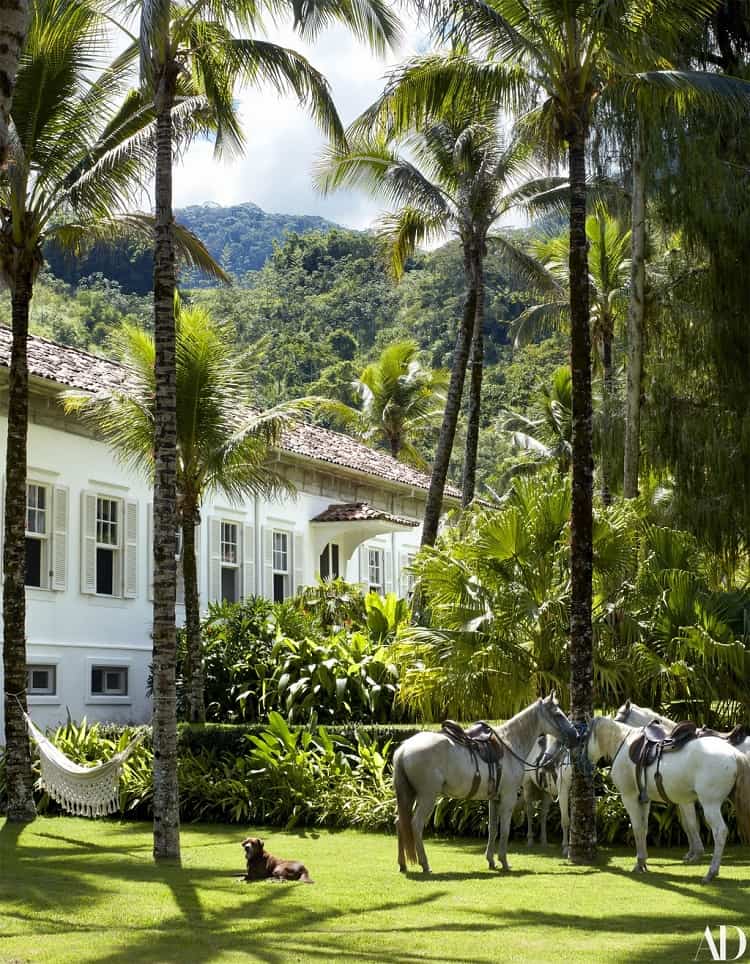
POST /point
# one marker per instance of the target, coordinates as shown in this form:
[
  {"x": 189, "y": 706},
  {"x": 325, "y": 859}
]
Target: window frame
[
  {"x": 377, "y": 586},
  {"x": 286, "y": 573},
  {"x": 116, "y": 549},
  {"x": 235, "y": 566},
  {"x": 328, "y": 554},
  {"x": 50, "y": 668},
  {"x": 109, "y": 665},
  {"x": 43, "y": 538}
]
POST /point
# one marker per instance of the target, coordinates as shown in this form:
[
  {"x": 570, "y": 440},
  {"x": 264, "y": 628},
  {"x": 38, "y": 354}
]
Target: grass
[{"x": 75, "y": 890}]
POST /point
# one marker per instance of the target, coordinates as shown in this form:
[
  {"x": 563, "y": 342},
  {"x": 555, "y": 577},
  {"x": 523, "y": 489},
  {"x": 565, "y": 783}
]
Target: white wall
[{"x": 74, "y": 630}]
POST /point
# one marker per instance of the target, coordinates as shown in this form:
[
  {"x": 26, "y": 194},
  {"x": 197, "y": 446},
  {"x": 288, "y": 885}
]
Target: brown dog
[{"x": 262, "y": 865}]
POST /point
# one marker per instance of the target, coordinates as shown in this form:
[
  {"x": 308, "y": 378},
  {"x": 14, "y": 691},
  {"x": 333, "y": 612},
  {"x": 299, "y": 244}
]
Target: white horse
[
  {"x": 548, "y": 777},
  {"x": 430, "y": 764},
  {"x": 704, "y": 770},
  {"x": 636, "y": 715}
]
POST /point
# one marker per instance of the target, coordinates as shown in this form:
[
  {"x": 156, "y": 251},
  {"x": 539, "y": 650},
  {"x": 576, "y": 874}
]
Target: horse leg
[
  {"x": 638, "y": 813},
  {"x": 563, "y": 798},
  {"x": 420, "y": 817},
  {"x": 506, "y": 812},
  {"x": 492, "y": 818},
  {"x": 689, "y": 821},
  {"x": 543, "y": 814},
  {"x": 401, "y": 854},
  {"x": 712, "y": 813},
  {"x": 529, "y": 803}
]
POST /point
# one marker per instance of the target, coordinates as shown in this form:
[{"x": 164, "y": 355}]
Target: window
[
  {"x": 410, "y": 579},
  {"x": 37, "y": 536},
  {"x": 281, "y": 580},
  {"x": 109, "y": 681},
  {"x": 329, "y": 562},
  {"x": 108, "y": 547},
  {"x": 230, "y": 562},
  {"x": 375, "y": 570},
  {"x": 41, "y": 680}
]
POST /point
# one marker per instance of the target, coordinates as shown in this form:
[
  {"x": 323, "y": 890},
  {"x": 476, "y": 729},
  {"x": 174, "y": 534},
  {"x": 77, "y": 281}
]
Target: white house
[{"x": 356, "y": 513}]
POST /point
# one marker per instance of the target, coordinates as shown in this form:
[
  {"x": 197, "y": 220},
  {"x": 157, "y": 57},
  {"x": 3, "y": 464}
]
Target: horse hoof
[
  {"x": 708, "y": 878},
  {"x": 491, "y": 865},
  {"x": 426, "y": 870},
  {"x": 640, "y": 869},
  {"x": 402, "y": 868},
  {"x": 691, "y": 858}
]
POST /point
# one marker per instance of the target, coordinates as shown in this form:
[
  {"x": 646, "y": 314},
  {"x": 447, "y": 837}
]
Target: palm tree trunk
[
  {"x": 582, "y": 829},
  {"x": 607, "y": 396},
  {"x": 452, "y": 408},
  {"x": 475, "y": 389},
  {"x": 635, "y": 321},
  {"x": 166, "y": 794},
  {"x": 19, "y": 778},
  {"x": 196, "y": 700},
  {"x": 14, "y": 22}
]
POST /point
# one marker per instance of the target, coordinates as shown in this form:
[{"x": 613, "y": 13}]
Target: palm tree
[
  {"x": 14, "y": 22},
  {"x": 609, "y": 269},
  {"x": 222, "y": 446},
  {"x": 193, "y": 45},
  {"x": 545, "y": 436},
  {"x": 401, "y": 399},
  {"x": 460, "y": 182},
  {"x": 77, "y": 152},
  {"x": 562, "y": 58}
]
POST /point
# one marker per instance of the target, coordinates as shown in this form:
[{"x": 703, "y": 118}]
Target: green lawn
[{"x": 81, "y": 890}]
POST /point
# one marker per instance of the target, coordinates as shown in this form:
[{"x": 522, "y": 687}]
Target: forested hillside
[
  {"x": 240, "y": 238},
  {"x": 321, "y": 308}
]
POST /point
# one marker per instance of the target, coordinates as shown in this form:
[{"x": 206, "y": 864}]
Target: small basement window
[
  {"x": 41, "y": 680},
  {"x": 109, "y": 681}
]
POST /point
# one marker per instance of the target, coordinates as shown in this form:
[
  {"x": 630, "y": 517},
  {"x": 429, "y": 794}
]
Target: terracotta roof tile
[
  {"x": 74, "y": 368},
  {"x": 359, "y": 512}
]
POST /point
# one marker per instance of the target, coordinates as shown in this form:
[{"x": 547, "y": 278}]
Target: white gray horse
[
  {"x": 705, "y": 770},
  {"x": 547, "y": 779},
  {"x": 430, "y": 764},
  {"x": 636, "y": 715}
]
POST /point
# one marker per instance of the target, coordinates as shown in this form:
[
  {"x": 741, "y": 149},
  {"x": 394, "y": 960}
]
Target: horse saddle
[
  {"x": 483, "y": 743},
  {"x": 733, "y": 737},
  {"x": 648, "y": 748}
]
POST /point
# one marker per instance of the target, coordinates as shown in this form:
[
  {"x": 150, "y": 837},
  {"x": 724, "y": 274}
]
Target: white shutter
[
  {"x": 298, "y": 560},
  {"x": 248, "y": 561},
  {"x": 88, "y": 542},
  {"x": 268, "y": 562},
  {"x": 214, "y": 559},
  {"x": 403, "y": 576},
  {"x": 59, "y": 559},
  {"x": 150, "y": 549},
  {"x": 388, "y": 574},
  {"x": 130, "y": 549},
  {"x": 364, "y": 562}
]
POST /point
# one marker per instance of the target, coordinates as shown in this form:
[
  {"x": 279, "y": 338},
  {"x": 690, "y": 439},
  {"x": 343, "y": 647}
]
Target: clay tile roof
[
  {"x": 326, "y": 445},
  {"x": 74, "y": 368},
  {"x": 359, "y": 512},
  {"x": 64, "y": 365}
]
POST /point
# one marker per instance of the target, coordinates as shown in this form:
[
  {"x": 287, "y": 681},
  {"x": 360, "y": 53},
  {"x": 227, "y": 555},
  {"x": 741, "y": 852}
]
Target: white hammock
[{"x": 84, "y": 791}]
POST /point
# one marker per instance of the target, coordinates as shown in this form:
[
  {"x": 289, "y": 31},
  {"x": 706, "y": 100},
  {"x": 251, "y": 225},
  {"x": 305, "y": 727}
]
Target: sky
[{"x": 283, "y": 144}]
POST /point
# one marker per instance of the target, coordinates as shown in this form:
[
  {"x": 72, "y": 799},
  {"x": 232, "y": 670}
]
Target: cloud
[{"x": 283, "y": 143}]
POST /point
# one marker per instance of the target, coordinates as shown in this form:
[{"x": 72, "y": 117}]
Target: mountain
[{"x": 240, "y": 238}]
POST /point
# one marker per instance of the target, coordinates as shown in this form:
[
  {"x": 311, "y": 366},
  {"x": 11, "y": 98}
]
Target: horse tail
[
  {"x": 742, "y": 796},
  {"x": 405, "y": 797}
]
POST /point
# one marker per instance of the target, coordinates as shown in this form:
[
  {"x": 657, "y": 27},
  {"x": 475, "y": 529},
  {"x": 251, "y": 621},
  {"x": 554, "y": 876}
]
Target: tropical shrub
[{"x": 322, "y": 654}]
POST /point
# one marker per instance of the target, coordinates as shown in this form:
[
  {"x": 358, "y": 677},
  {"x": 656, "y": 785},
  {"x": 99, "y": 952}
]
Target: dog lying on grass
[{"x": 261, "y": 865}]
